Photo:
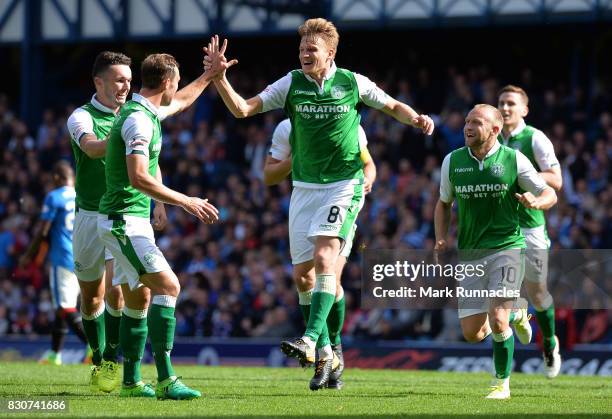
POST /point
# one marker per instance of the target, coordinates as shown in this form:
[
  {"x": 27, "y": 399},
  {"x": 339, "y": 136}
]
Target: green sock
[
  {"x": 93, "y": 326},
  {"x": 322, "y": 300},
  {"x": 335, "y": 321},
  {"x": 546, "y": 321},
  {"x": 161, "y": 329},
  {"x": 133, "y": 337},
  {"x": 305, "y": 312},
  {"x": 324, "y": 336},
  {"x": 111, "y": 325},
  {"x": 503, "y": 351}
]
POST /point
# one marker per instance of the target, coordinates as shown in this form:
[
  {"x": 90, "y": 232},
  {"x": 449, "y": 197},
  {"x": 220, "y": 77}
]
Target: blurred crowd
[{"x": 236, "y": 275}]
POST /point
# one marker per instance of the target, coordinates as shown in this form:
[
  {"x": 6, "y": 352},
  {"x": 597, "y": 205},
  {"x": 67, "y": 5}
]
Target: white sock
[
  {"x": 95, "y": 315},
  {"x": 325, "y": 352},
  {"x": 503, "y": 336},
  {"x": 340, "y": 294},
  {"x": 305, "y": 297},
  {"x": 308, "y": 341},
  {"x": 113, "y": 312},
  {"x": 164, "y": 300}
]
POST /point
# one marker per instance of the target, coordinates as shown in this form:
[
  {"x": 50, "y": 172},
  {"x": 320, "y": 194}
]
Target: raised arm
[
  {"x": 237, "y": 105},
  {"x": 187, "y": 95},
  {"x": 406, "y": 115},
  {"x": 215, "y": 60},
  {"x": 375, "y": 97}
]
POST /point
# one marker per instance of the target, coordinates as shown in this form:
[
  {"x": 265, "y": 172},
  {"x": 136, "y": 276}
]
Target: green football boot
[
  {"x": 108, "y": 378},
  {"x": 173, "y": 388},
  {"x": 139, "y": 389}
]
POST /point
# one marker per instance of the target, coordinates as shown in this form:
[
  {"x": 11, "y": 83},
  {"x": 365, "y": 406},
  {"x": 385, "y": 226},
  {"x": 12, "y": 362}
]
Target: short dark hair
[
  {"x": 156, "y": 68},
  {"x": 63, "y": 170},
  {"x": 107, "y": 58}
]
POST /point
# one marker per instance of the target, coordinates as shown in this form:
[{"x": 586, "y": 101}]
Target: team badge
[
  {"x": 338, "y": 92},
  {"x": 497, "y": 169},
  {"x": 149, "y": 259}
]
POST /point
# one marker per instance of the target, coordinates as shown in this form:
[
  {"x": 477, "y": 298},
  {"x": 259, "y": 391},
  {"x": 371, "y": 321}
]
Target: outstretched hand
[
  {"x": 215, "y": 63},
  {"x": 424, "y": 123},
  {"x": 202, "y": 209}
]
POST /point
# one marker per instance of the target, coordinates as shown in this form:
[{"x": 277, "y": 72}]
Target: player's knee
[
  {"x": 91, "y": 304},
  {"x": 114, "y": 297},
  {"x": 473, "y": 336},
  {"x": 171, "y": 287},
  {"x": 499, "y": 324},
  {"x": 303, "y": 282},
  {"x": 144, "y": 296},
  {"x": 324, "y": 261}
]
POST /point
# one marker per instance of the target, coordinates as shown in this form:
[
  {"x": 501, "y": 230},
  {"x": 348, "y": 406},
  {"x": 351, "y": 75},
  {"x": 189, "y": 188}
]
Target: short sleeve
[
  {"x": 49, "y": 209},
  {"x": 543, "y": 151},
  {"x": 275, "y": 95},
  {"x": 370, "y": 93},
  {"x": 137, "y": 131},
  {"x": 281, "y": 149},
  {"x": 79, "y": 123},
  {"x": 446, "y": 189},
  {"x": 528, "y": 178}
]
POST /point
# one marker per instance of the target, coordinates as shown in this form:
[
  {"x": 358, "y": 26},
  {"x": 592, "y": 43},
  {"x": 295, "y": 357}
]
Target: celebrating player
[
  {"x": 88, "y": 126},
  {"x": 322, "y": 103},
  {"x": 485, "y": 178},
  {"x": 56, "y": 222},
  {"x": 277, "y": 168},
  {"x": 533, "y": 143},
  {"x": 133, "y": 177}
]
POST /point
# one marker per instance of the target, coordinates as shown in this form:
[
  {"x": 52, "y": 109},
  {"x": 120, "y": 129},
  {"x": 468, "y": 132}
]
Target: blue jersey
[{"x": 59, "y": 209}]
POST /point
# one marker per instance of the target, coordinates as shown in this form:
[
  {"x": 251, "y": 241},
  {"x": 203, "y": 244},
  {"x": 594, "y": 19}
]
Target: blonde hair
[
  {"x": 494, "y": 113},
  {"x": 320, "y": 27},
  {"x": 510, "y": 88}
]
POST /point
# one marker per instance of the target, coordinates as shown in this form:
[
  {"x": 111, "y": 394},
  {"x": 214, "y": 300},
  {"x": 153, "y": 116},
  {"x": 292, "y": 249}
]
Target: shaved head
[{"x": 493, "y": 114}]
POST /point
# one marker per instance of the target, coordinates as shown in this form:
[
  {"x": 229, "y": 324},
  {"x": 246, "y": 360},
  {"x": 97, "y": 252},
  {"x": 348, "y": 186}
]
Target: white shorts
[
  {"x": 90, "y": 254},
  {"x": 536, "y": 261},
  {"x": 322, "y": 212},
  {"x": 503, "y": 270},
  {"x": 64, "y": 287},
  {"x": 88, "y": 249},
  {"x": 131, "y": 241}
]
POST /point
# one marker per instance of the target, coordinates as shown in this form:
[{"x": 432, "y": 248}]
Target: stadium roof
[{"x": 83, "y": 20}]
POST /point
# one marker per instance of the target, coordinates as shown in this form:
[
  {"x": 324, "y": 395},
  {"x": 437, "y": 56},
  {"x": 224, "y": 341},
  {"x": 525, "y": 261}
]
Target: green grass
[{"x": 268, "y": 392}]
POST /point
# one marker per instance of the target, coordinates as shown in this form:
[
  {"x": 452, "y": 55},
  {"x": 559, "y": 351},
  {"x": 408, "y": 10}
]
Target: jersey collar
[
  {"x": 493, "y": 150},
  {"x": 329, "y": 75},
  {"x": 146, "y": 103},
  {"x": 99, "y": 106},
  {"x": 520, "y": 127}
]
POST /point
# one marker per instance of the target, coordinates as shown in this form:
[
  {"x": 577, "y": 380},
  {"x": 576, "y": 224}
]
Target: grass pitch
[{"x": 268, "y": 392}]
